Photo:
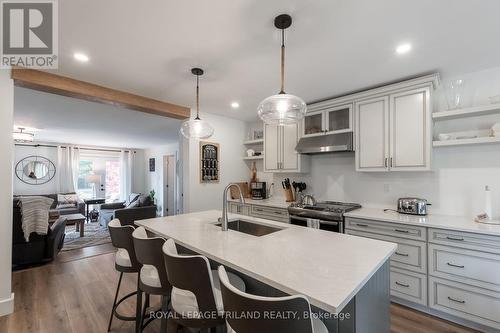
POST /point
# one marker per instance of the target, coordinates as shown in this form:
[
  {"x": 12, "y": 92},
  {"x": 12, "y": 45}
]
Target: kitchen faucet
[{"x": 224, "y": 204}]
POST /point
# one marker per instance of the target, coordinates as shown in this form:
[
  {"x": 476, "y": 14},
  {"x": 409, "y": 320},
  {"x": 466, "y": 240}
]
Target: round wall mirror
[{"x": 35, "y": 170}]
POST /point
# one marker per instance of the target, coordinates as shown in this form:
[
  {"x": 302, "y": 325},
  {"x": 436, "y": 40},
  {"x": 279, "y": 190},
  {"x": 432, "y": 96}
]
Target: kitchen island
[{"x": 338, "y": 273}]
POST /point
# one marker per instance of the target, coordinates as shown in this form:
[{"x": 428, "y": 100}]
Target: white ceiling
[
  {"x": 333, "y": 46},
  {"x": 69, "y": 120}
]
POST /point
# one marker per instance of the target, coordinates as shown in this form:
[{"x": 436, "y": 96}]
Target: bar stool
[
  {"x": 195, "y": 289},
  {"x": 125, "y": 262},
  {"x": 153, "y": 276},
  {"x": 238, "y": 302}
]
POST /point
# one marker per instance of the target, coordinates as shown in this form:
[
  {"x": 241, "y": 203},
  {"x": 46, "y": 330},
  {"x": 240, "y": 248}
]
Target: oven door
[{"x": 335, "y": 226}]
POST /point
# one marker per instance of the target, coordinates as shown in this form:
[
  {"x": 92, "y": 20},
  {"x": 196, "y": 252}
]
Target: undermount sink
[{"x": 250, "y": 228}]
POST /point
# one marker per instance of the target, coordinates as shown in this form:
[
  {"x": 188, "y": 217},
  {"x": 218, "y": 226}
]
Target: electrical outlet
[{"x": 387, "y": 188}]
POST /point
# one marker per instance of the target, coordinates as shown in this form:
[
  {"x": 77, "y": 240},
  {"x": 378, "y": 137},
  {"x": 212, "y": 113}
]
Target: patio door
[{"x": 99, "y": 175}]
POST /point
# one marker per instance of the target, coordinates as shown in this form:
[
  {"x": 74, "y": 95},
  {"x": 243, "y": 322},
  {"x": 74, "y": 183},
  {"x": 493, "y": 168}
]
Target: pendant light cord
[
  {"x": 282, "y": 61},
  {"x": 197, "y": 98}
]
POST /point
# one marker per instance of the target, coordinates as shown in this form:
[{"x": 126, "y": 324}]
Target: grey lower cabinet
[
  {"x": 454, "y": 275},
  {"x": 265, "y": 212}
]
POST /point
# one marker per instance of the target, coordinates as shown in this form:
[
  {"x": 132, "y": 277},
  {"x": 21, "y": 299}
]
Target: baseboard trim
[{"x": 7, "y": 305}]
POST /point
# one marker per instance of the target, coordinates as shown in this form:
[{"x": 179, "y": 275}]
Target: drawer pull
[
  {"x": 402, "y": 254},
  {"x": 456, "y": 300},
  {"x": 402, "y": 284},
  {"x": 361, "y": 225},
  {"x": 455, "y": 238},
  {"x": 258, "y": 209},
  {"x": 403, "y": 231},
  {"x": 453, "y": 265},
  {"x": 279, "y": 213}
]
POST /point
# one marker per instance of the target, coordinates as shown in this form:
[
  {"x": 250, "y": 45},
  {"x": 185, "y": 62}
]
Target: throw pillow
[
  {"x": 144, "y": 200},
  {"x": 133, "y": 204},
  {"x": 133, "y": 197},
  {"x": 67, "y": 200}
]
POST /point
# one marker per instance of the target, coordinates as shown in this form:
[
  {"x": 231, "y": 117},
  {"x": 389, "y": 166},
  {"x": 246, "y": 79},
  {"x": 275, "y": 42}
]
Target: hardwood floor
[{"x": 75, "y": 293}]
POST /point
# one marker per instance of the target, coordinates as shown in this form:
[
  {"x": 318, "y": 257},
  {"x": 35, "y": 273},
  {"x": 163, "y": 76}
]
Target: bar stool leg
[
  {"x": 138, "y": 308},
  {"x": 144, "y": 309},
  {"x": 114, "y": 302}
]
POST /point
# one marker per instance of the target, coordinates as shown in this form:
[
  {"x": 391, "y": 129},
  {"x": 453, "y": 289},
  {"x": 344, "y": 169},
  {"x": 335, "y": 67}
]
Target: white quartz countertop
[
  {"x": 456, "y": 223},
  {"x": 329, "y": 268},
  {"x": 271, "y": 202}
]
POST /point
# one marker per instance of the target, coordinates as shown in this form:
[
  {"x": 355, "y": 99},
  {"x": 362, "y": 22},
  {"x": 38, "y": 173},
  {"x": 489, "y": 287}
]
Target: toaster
[{"x": 414, "y": 206}]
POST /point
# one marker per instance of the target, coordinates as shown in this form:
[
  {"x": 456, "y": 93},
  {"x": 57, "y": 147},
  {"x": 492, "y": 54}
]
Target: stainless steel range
[{"x": 326, "y": 215}]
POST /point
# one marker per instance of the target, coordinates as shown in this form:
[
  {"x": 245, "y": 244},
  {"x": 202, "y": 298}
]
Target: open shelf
[
  {"x": 260, "y": 157},
  {"x": 460, "y": 142},
  {"x": 254, "y": 142},
  {"x": 467, "y": 112}
]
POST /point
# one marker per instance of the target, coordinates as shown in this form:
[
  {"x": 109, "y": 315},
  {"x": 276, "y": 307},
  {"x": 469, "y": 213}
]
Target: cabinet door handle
[
  {"x": 402, "y": 254},
  {"x": 456, "y": 300},
  {"x": 402, "y": 284},
  {"x": 455, "y": 239},
  {"x": 361, "y": 225},
  {"x": 402, "y": 231},
  {"x": 385, "y": 162},
  {"x": 453, "y": 265},
  {"x": 390, "y": 161}
]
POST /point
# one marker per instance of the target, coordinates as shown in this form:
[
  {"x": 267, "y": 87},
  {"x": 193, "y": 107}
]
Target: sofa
[
  {"x": 39, "y": 248},
  {"x": 138, "y": 207},
  {"x": 54, "y": 212}
]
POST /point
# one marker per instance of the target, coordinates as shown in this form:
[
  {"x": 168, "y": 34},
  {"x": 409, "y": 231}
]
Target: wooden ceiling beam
[{"x": 65, "y": 86}]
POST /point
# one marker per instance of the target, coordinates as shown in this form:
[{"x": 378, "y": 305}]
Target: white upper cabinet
[
  {"x": 372, "y": 143},
  {"x": 328, "y": 120},
  {"x": 410, "y": 124},
  {"x": 393, "y": 132},
  {"x": 279, "y": 149}
]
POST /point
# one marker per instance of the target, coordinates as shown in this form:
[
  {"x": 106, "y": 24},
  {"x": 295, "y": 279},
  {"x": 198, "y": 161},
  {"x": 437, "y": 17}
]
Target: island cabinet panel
[
  {"x": 411, "y": 255},
  {"x": 478, "y": 305},
  {"x": 477, "y": 268},
  {"x": 409, "y": 286},
  {"x": 387, "y": 228}
]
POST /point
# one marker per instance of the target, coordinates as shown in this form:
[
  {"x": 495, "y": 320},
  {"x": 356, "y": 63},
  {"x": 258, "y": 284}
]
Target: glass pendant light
[
  {"x": 283, "y": 108},
  {"x": 197, "y": 128}
]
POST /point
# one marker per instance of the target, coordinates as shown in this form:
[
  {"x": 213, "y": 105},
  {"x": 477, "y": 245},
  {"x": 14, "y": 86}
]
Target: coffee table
[{"x": 79, "y": 221}]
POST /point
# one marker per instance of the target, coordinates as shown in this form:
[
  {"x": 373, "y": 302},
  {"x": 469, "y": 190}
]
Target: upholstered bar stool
[
  {"x": 196, "y": 297},
  {"x": 153, "y": 276},
  {"x": 238, "y": 302},
  {"x": 125, "y": 262}
]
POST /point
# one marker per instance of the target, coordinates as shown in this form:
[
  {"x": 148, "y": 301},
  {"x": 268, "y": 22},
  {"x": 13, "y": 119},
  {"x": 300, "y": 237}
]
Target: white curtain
[
  {"x": 68, "y": 161},
  {"x": 126, "y": 172}
]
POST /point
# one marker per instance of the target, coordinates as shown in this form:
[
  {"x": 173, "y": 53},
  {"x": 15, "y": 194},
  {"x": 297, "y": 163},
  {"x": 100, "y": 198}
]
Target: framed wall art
[{"x": 209, "y": 162}]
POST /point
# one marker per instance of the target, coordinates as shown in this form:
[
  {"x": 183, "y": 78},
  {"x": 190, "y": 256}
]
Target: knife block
[{"x": 289, "y": 195}]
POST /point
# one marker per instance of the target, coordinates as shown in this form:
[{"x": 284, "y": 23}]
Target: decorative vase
[{"x": 455, "y": 94}]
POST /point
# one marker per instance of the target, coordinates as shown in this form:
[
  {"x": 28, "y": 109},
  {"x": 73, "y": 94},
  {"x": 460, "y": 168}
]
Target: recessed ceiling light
[
  {"x": 81, "y": 57},
  {"x": 235, "y": 105},
  {"x": 403, "y": 48}
]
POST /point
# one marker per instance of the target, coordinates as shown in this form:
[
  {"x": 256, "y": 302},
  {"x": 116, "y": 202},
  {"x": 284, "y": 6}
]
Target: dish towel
[{"x": 35, "y": 215}]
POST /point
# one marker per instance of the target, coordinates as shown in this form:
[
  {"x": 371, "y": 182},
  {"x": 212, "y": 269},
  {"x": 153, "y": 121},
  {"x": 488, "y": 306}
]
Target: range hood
[{"x": 328, "y": 143}]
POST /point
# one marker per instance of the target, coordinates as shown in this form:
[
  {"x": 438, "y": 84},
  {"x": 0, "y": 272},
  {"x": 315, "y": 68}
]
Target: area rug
[{"x": 94, "y": 234}]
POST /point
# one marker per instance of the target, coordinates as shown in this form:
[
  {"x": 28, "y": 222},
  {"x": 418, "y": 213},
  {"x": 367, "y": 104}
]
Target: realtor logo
[{"x": 29, "y": 34}]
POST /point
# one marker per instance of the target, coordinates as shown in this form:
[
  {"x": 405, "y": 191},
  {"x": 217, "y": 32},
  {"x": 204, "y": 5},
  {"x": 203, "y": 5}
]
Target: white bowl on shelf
[
  {"x": 444, "y": 137},
  {"x": 494, "y": 99}
]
